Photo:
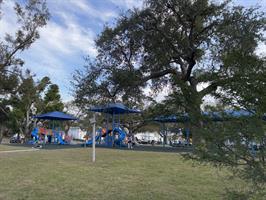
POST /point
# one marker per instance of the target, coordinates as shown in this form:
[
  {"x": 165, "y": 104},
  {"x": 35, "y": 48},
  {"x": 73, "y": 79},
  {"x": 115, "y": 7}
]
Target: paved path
[{"x": 21, "y": 150}]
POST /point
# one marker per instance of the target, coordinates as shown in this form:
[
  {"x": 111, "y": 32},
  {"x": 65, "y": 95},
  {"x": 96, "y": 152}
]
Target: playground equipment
[
  {"x": 56, "y": 134},
  {"x": 35, "y": 134},
  {"x": 97, "y": 137},
  {"x": 213, "y": 116},
  {"x": 101, "y": 133},
  {"x": 116, "y": 135},
  {"x": 122, "y": 136}
]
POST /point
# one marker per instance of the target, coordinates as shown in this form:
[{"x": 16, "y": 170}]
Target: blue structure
[
  {"x": 173, "y": 118},
  {"x": 181, "y": 118},
  {"x": 54, "y": 116},
  {"x": 97, "y": 138},
  {"x": 114, "y": 110},
  {"x": 213, "y": 116},
  {"x": 35, "y": 136}
]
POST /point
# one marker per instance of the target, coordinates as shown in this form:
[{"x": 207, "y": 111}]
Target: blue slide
[
  {"x": 89, "y": 142},
  {"x": 59, "y": 138},
  {"x": 122, "y": 135},
  {"x": 34, "y": 133},
  {"x": 35, "y": 136}
]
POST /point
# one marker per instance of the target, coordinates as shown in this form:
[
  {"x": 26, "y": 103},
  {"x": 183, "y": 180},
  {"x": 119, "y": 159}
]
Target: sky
[{"x": 70, "y": 33}]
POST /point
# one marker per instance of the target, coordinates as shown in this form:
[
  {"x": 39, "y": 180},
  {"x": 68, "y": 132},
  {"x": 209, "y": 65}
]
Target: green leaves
[
  {"x": 52, "y": 99},
  {"x": 31, "y": 16},
  {"x": 179, "y": 45}
]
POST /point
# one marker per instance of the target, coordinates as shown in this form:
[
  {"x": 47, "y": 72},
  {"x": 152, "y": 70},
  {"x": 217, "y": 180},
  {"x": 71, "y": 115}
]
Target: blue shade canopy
[
  {"x": 56, "y": 116},
  {"x": 215, "y": 116},
  {"x": 227, "y": 114},
  {"x": 114, "y": 108},
  {"x": 173, "y": 118}
]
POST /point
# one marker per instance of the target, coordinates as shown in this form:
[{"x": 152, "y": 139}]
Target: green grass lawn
[
  {"x": 11, "y": 148},
  {"x": 117, "y": 174}
]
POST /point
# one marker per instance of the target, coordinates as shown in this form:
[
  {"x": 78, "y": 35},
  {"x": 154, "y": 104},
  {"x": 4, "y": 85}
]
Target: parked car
[{"x": 17, "y": 138}]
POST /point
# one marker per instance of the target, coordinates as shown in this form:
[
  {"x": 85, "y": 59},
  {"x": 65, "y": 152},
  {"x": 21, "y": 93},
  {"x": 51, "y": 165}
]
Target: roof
[
  {"x": 173, "y": 118},
  {"x": 215, "y": 116},
  {"x": 114, "y": 108},
  {"x": 56, "y": 115}
]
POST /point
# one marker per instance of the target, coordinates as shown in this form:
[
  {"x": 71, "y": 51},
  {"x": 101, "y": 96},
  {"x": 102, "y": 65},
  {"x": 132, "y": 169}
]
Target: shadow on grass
[{"x": 135, "y": 148}]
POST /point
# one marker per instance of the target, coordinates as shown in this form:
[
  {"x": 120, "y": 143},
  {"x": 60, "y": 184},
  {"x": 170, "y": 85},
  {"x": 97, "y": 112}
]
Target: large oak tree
[{"x": 197, "y": 48}]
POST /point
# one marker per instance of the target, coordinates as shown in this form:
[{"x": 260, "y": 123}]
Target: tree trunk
[
  {"x": 27, "y": 126},
  {"x": 193, "y": 103},
  {"x": 195, "y": 125},
  {"x": 27, "y": 122},
  {"x": 1, "y": 133},
  {"x": 67, "y": 127}
]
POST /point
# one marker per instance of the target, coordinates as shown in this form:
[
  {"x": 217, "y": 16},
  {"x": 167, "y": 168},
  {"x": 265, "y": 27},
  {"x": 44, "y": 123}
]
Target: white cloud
[
  {"x": 63, "y": 43},
  {"x": 87, "y": 9},
  {"x": 128, "y": 3},
  {"x": 67, "y": 40},
  {"x": 159, "y": 96},
  {"x": 59, "y": 42},
  {"x": 8, "y": 19},
  {"x": 261, "y": 49}
]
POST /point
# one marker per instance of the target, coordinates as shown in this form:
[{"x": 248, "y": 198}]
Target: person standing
[{"x": 129, "y": 142}]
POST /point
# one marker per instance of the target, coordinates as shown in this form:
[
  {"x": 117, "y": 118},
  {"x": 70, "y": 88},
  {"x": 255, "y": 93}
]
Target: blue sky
[{"x": 70, "y": 34}]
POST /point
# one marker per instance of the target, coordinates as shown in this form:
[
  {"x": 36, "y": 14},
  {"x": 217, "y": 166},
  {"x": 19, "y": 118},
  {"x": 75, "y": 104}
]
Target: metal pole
[
  {"x": 113, "y": 127},
  {"x": 164, "y": 135},
  {"x": 187, "y": 136},
  {"x": 107, "y": 129},
  {"x": 93, "y": 137}
]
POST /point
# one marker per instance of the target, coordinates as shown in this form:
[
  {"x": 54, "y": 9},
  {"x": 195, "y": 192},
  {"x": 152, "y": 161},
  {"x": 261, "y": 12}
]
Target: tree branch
[
  {"x": 211, "y": 88},
  {"x": 22, "y": 45},
  {"x": 158, "y": 74}
]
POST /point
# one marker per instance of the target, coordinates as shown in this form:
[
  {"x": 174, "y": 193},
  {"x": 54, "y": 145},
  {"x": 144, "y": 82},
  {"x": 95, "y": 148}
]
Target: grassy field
[
  {"x": 117, "y": 174},
  {"x": 11, "y": 148}
]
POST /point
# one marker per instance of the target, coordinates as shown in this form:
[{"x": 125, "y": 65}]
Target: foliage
[
  {"x": 31, "y": 16},
  {"x": 28, "y": 101},
  {"x": 195, "y": 48},
  {"x": 52, "y": 99},
  {"x": 180, "y": 44},
  {"x": 238, "y": 143},
  {"x": 25, "y": 102}
]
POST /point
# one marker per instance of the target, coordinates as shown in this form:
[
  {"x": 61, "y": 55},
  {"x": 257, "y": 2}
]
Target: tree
[
  {"x": 183, "y": 44},
  {"x": 28, "y": 96},
  {"x": 196, "y": 48},
  {"x": 52, "y": 99},
  {"x": 31, "y": 15}
]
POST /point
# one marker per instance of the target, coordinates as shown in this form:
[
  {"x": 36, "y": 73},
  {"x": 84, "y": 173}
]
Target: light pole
[{"x": 93, "y": 122}]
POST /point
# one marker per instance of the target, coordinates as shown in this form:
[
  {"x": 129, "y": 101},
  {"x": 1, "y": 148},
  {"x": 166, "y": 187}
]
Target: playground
[
  {"x": 61, "y": 170},
  {"x": 112, "y": 134},
  {"x": 117, "y": 174}
]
